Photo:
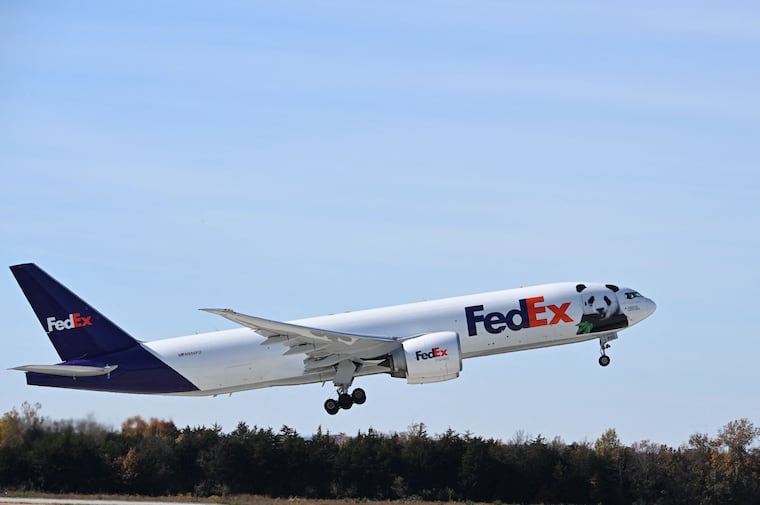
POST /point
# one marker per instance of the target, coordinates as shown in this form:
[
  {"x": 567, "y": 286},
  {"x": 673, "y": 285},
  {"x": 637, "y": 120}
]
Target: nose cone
[
  {"x": 648, "y": 307},
  {"x": 640, "y": 309},
  {"x": 635, "y": 306}
]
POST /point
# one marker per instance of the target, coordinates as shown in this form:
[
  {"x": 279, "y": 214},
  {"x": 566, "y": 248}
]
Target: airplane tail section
[{"x": 76, "y": 330}]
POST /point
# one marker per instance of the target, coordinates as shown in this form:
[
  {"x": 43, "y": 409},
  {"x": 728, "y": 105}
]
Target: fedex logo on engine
[
  {"x": 435, "y": 352},
  {"x": 75, "y": 320},
  {"x": 532, "y": 313}
]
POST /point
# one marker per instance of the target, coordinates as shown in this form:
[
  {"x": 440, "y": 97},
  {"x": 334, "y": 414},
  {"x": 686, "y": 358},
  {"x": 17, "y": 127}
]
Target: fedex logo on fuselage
[
  {"x": 75, "y": 320},
  {"x": 435, "y": 352},
  {"x": 532, "y": 313}
]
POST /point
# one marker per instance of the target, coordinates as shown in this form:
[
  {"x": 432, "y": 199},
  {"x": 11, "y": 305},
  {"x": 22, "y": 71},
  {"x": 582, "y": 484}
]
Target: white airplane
[{"x": 421, "y": 342}]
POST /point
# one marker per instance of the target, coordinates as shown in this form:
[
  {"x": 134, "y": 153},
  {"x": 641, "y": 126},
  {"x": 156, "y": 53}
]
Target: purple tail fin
[{"x": 76, "y": 330}]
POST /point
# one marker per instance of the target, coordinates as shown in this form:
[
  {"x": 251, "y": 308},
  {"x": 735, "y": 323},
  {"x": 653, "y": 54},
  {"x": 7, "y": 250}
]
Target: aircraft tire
[
  {"x": 359, "y": 396},
  {"x": 331, "y": 406},
  {"x": 604, "y": 360},
  {"x": 345, "y": 401}
]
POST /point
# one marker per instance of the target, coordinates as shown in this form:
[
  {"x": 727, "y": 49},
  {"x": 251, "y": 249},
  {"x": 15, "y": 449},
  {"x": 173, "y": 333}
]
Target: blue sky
[{"x": 296, "y": 159}]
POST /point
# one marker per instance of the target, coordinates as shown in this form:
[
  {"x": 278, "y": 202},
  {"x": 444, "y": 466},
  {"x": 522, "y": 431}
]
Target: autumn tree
[{"x": 154, "y": 457}]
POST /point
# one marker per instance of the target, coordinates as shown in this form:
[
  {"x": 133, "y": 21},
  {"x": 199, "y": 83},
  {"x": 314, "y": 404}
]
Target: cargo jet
[{"x": 420, "y": 342}]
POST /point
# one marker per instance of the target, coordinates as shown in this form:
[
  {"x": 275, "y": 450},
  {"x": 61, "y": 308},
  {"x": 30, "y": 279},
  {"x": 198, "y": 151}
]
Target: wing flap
[
  {"x": 304, "y": 349},
  {"x": 323, "y": 349}
]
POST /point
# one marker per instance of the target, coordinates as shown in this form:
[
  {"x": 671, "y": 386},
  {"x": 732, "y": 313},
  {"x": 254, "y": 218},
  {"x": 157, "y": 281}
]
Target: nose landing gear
[{"x": 604, "y": 360}]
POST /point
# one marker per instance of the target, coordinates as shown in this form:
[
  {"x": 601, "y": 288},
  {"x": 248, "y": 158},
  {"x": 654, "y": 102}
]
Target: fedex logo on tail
[
  {"x": 75, "y": 320},
  {"x": 532, "y": 313}
]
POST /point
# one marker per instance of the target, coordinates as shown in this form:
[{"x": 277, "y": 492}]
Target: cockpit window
[{"x": 630, "y": 295}]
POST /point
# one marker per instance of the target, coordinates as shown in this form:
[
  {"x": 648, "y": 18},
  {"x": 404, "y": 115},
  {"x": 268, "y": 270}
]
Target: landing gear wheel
[
  {"x": 359, "y": 396},
  {"x": 604, "y": 360},
  {"x": 331, "y": 406},
  {"x": 345, "y": 401}
]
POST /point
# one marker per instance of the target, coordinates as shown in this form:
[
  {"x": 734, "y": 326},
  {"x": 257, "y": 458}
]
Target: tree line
[{"x": 155, "y": 457}]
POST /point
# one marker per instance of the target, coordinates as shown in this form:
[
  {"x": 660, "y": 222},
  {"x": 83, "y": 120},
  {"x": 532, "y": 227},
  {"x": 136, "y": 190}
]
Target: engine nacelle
[{"x": 432, "y": 357}]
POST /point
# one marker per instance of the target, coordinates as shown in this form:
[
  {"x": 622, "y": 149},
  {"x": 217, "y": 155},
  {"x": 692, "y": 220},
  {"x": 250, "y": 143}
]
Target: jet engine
[{"x": 432, "y": 357}]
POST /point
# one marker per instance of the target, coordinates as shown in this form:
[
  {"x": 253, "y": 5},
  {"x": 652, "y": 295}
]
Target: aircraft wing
[{"x": 323, "y": 348}]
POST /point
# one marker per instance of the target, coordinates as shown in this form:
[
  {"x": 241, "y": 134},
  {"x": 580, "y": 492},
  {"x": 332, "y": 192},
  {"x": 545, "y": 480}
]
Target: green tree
[
  {"x": 610, "y": 466},
  {"x": 321, "y": 452},
  {"x": 195, "y": 449},
  {"x": 367, "y": 465}
]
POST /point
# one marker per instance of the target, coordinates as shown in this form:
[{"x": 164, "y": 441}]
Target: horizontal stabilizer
[{"x": 68, "y": 370}]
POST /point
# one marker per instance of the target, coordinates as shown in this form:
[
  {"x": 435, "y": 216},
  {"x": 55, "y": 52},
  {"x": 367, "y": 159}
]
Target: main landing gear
[
  {"x": 344, "y": 376},
  {"x": 345, "y": 401},
  {"x": 604, "y": 360}
]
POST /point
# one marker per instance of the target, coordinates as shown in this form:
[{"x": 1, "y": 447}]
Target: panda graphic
[{"x": 601, "y": 309}]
